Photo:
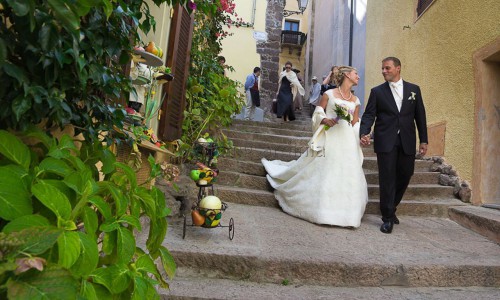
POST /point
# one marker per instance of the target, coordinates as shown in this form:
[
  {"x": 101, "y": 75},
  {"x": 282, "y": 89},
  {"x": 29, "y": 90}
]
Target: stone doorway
[{"x": 486, "y": 164}]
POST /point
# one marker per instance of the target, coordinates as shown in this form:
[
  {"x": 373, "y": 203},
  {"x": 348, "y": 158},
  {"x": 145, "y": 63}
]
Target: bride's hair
[{"x": 339, "y": 74}]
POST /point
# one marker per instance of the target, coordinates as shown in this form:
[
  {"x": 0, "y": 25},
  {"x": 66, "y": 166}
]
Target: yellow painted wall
[
  {"x": 162, "y": 18},
  {"x": 160, "y": 36},
  {"x": 436, "y": 53},
  {"x": 240, "y": 49},
  {"x": 299, "y": 62}
]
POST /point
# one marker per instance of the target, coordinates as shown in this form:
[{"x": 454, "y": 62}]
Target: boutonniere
[{"x": 412, "y": 97}]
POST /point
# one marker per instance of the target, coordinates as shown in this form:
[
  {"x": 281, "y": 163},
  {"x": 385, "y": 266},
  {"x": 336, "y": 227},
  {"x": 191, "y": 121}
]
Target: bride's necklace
[{"x": 342, "y": 95}]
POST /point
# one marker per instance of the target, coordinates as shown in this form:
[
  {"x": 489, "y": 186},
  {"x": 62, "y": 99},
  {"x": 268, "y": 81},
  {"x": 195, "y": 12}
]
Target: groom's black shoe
[
  {"x": 387, "y": 227},
  {"x": 396, "y": 220}
]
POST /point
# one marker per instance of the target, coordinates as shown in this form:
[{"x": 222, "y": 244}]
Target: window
[
  {"x": 291, "y": 25},
  {"x": 422, "y": 6}
]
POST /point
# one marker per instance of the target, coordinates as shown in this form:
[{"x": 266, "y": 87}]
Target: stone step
[
  {"x": 305, "y": 119},
  {"x": 485, "y": 221},
  {"x": 182, "y": 288},
  {"x": 281, "y": 130},
  {"x": 271, "y": 246},
  {"x": 422, "y": 208},
  {"x": 247, "y": 181},
  {"x": 264, "y": 137},
  {"x": 226, "y": 164},
  {"x": 303, "y": 114},
  {"x": 298, "y": 126},
  {"x": 288, "y": 145},
  {"x": 295, "y": 145},
  {"x": 418, "y": 191},
  {"x": 236, "y": 178},
  {"x": 256, "y": 168},
  {"x": 300, "y": 121},
  {"x": 255, "y": 155},
  {"x": 422, "y": 192},
  {"x": 370, "y": 164},
  {"x": 245, "y": 196},
  {"x": 256, "y": 144},
  {"x": 420, "y": 177}
]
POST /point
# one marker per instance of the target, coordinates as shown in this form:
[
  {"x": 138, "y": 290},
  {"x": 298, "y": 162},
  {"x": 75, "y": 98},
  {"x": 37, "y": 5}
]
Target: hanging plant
[{"x": 212, "y": 98}]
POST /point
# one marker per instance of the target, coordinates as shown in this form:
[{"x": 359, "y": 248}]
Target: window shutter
[
  {"x": 178, "y": 57},
  {"x": 422, "y": 6}
]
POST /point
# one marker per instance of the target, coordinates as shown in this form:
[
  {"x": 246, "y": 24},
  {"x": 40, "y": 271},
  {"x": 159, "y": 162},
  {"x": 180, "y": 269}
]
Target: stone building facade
[{"x": 269, "y": 53}]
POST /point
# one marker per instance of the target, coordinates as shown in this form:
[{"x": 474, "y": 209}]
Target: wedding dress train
[{"x": 326, "y": 185}]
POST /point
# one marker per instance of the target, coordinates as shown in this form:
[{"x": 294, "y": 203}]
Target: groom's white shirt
[{"x": 397, "y": 92}]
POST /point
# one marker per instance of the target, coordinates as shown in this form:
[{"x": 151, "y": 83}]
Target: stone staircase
[
  {"x": 243, "y": 177},
  {"x": 276, "y": 256}
]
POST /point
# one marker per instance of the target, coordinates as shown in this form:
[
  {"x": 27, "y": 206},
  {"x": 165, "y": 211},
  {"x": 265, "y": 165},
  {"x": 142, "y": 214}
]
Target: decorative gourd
[
  {"x": 212, "y": 217},
  {"x": 151, "y": 48},
  {"x": 198, "y": 219},
  {"x": 210, "y": 208},
  {"x": 210, "y": 202}
]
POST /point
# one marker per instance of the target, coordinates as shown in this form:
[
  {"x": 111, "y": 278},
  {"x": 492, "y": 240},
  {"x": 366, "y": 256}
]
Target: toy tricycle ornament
[{"x": 208, "y": 214}]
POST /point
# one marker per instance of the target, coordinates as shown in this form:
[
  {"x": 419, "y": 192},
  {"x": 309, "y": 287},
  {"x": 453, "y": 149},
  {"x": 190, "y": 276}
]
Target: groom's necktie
[{"x": 397, "y": 95}]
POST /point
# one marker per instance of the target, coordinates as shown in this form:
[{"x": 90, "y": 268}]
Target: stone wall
[{"x": 269, "y": 54}]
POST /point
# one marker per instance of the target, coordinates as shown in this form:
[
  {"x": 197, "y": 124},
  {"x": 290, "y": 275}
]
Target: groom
[{"x": 395, "y": 106}]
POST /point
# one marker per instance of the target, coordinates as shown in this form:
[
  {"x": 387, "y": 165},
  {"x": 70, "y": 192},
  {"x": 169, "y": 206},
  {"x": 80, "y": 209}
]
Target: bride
[{"x": 326, "y": 185}]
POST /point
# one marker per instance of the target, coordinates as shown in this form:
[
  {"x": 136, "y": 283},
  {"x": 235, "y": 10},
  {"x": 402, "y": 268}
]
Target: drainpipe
[
  {"x": 254, "y": 11},
  {"x": 351, "y": 27}
]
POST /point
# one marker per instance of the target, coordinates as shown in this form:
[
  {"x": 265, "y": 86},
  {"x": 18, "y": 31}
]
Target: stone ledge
[
  {"x": 209, "y": 288},
  {"x": 270, "y": 246},
  {"x": 482, "y": 220}
]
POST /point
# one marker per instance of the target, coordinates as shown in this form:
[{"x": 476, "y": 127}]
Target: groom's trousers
[{"x": 395, "y": 169}]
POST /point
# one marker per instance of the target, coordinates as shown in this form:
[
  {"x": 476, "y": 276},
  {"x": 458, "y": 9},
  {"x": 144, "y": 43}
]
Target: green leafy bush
[
  {"x": 63, "y": 61},
  {"x": 212, "y": 97},
  {"x": 65, "y": 234}
]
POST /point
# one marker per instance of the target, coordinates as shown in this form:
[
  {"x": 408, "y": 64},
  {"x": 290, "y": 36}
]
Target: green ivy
[{"x": 212, "y": 98}]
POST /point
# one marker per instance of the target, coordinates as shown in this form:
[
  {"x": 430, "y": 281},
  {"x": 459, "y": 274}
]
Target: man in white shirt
[
  {"x": 252, "y": 94},
  {"x": 314, "y": 94}
]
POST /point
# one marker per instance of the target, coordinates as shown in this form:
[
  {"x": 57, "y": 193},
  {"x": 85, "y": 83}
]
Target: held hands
[
  {"x": 365, "y": 140},
  {"x": 422, "y": 149}
]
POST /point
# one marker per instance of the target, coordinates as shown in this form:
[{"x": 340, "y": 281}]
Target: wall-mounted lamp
[{"x": 302, "y": 8}]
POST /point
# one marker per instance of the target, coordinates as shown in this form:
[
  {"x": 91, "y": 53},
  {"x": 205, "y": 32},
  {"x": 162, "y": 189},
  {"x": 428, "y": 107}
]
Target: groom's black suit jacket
[{"x": 382, "y": 110}]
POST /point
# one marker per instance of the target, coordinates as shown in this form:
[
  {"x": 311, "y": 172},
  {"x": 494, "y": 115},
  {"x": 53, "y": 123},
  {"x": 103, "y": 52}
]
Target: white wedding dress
[{"x": 324, "y": 187}]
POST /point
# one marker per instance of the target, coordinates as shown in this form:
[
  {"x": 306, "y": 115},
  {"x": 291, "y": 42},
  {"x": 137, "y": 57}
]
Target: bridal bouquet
[{"x": 343, "y": 113}]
